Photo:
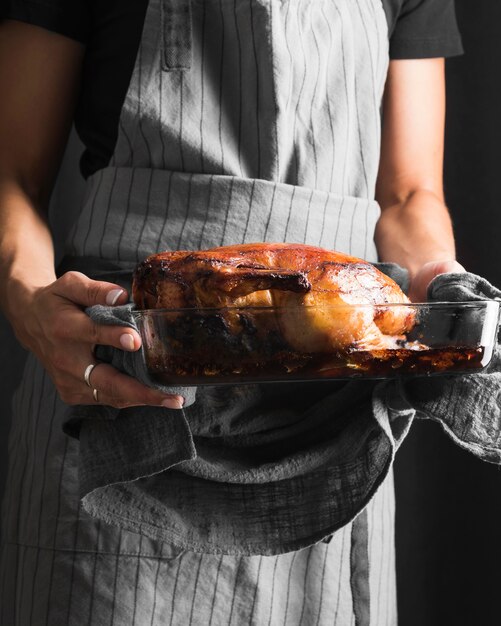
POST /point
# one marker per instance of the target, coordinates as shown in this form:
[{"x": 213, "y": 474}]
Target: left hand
[{"x": 426, "y": 273}]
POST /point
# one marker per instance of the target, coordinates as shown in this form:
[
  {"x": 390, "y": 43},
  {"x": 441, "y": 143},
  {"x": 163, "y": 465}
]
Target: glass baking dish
[{"x": 247, "y": 345}]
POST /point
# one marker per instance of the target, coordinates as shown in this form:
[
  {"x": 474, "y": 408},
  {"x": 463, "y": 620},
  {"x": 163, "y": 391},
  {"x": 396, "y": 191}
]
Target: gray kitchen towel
[
  {"x": 132, "y": 363},
  {"x": 258, "y": 490},
  {"x": 468, "y": 407}
]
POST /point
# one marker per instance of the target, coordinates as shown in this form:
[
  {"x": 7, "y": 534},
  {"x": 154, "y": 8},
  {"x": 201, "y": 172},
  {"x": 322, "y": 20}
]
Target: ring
[
  {"x": 87, "y": 373},
  {"x": 95, "y": 394}
]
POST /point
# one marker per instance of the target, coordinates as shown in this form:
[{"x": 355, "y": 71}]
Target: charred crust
[{"x": 229, "y": 268}]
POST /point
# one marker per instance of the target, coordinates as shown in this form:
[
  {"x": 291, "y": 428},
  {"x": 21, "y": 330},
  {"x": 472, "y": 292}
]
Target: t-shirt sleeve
[
  {"x": 70, "y": 18},
  {"x": 425, "y": 29}
]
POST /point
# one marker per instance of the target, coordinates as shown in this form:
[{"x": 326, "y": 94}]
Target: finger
[
  {"x": 72, "y": 325},
  {"x": 173, "y": 402},
  {"x": 67, "y": 370},
  {"x": 444, "y": 267},
  {"x": 120, "y": 390},
  {"x": 82, "y": 290},
  {"x": 88, "y": 373},
  {"x": 419, "y": 284}
]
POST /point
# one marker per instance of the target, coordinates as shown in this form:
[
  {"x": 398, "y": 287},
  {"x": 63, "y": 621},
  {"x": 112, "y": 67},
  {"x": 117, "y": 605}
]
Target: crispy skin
[{"x": 294, "y": 276}]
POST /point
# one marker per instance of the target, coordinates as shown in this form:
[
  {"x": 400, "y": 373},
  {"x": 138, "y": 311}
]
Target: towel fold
[
  {"x": 468, "y": 407},
  {"x": 267, "y": 469}
]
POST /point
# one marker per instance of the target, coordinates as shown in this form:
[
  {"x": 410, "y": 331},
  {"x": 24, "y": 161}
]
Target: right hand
[
  {"x": 55, "y": 328},
  {"x": 420, "y": 281}
]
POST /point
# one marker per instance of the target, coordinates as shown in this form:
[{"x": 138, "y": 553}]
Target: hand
[
  {"x": 423, "y": 277},
  {"x": 54, "y": 327}
]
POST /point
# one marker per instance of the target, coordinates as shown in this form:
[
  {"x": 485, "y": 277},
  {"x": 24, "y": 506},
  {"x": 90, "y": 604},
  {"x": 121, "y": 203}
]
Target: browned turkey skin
[{"x": 305, "y": 282}]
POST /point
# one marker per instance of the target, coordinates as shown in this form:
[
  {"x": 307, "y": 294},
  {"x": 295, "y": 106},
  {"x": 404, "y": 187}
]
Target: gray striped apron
[{"x": 245, "y": 120}]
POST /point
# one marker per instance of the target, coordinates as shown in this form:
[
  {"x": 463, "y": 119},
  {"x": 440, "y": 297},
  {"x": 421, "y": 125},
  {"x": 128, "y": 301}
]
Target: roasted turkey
[{"x": 312, "y": 289}]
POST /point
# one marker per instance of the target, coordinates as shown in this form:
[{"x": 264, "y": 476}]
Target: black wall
[{"x": 449, "y": 503}]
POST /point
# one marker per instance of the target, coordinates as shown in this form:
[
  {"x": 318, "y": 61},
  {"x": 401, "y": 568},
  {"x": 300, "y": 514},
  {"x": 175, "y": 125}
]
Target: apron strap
[{"x": 176, "y": 35}]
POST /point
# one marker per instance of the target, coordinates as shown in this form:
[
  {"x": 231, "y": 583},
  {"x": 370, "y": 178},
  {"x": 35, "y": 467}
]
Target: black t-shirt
[{"x": 111, "y": 31}]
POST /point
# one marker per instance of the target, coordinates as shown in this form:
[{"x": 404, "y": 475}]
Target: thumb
[
  {"x": 420, "y": 281},
  {"x": 82, "y": 290}
]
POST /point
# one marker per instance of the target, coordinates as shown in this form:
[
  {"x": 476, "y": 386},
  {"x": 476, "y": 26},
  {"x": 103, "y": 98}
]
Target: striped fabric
[
  {"x": 58, "y": 568},
  {"x": 255, "y": 120},
  {"x": 285, "y": 92},
  {"x": 131, "y": 211}
]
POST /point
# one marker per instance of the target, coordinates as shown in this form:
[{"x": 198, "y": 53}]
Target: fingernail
[
  {"x": 177, "y": 402},
  {"x": 127, "y": 341},
  {"x": 112, "y": 296}
]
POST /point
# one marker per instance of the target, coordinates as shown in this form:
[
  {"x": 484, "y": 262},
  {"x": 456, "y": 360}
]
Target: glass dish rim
[{"x": 469, "y": 304}]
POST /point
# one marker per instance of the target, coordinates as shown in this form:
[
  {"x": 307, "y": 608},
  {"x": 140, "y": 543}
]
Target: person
[{"x": 195, "y": 115}]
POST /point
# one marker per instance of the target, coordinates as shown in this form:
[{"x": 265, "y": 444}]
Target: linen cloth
[
  {"x": 256, "y": 492},
  {"x": 468, "y": 407}
]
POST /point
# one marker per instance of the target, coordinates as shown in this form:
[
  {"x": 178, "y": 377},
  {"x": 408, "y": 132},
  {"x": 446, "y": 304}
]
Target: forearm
[
  {"x": 415, "y": 232},
  {"x": 39, "y": 81},
  {"x": 26, "y": 248}
]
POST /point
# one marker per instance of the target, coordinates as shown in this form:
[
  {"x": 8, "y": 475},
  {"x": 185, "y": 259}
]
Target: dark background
[{"x": 448, "y": 502}]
